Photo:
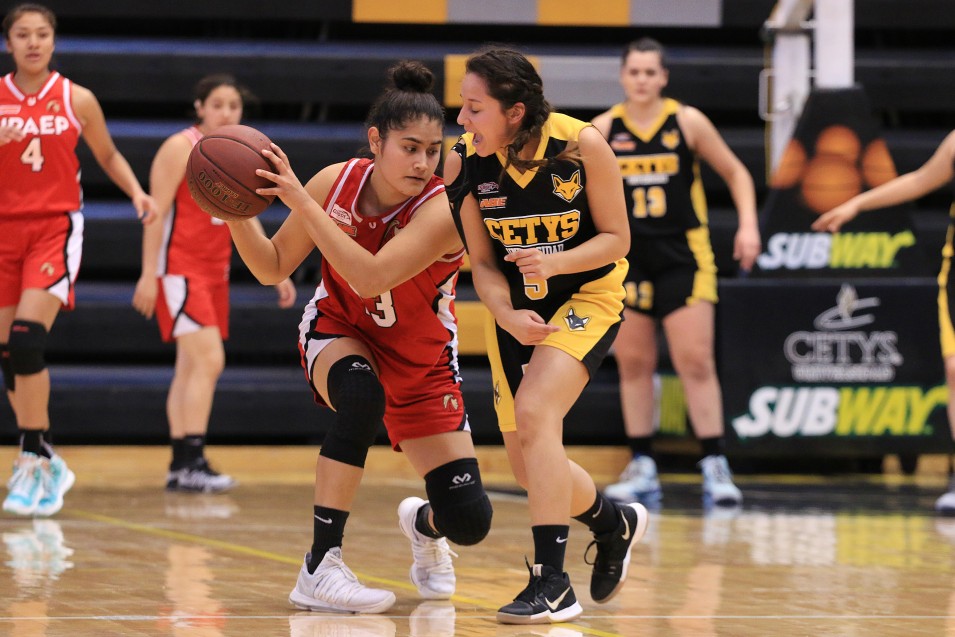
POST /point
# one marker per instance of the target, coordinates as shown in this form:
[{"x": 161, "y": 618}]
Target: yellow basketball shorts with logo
[{"x": 588, "y": 322}]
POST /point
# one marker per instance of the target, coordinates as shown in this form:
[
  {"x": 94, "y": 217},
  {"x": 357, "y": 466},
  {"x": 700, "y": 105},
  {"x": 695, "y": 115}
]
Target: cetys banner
[{"x": 832, "y": 367}]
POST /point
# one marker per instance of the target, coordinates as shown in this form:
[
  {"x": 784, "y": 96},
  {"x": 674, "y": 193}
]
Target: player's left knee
[
  {"x": 461, "y": 508},
  {"x": 27, "y": 347}
]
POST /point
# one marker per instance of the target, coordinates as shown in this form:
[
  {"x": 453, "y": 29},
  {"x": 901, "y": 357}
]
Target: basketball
[
  {"x": 877, "y": 164},
  {"x": 221, "y": 172},
  {"x": 791, "y": 166},
  {"x": 830, "y": 180},
  {"x": 839, "y": 140}
]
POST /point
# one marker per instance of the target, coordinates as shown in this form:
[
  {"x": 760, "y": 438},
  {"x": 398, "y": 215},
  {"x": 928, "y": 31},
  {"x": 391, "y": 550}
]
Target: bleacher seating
[{"x": 315, "y": 67}]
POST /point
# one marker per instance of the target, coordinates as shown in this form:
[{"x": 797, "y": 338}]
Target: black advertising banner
[
  {"x": 837, "y": 368},
  {"x": 835, "y": 153}
]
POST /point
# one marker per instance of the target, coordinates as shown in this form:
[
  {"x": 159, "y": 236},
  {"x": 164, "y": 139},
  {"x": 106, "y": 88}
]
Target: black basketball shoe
[
  {"x": 548, "y": 598},
  {"x": 613, "y": 552}
]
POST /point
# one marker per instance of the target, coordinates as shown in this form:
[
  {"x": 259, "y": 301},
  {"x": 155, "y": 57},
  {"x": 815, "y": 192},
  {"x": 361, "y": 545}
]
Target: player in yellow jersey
[
  {"x": 672, "y": 277},
  {"x": 536, "y": 194}
]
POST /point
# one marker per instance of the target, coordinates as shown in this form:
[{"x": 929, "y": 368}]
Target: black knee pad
[
  {"x": 8, "y": 377},
  {"x": 462, "y": 510},
  {"x": 359, "y": 400},
  {"x": 27, "y": 346}
]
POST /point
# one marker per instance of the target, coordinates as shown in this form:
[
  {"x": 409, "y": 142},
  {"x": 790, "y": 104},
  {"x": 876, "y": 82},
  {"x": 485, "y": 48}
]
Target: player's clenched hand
[
  {"x": 287, "y": 293},
  {"x": 532, "y": 263},
  {"x": 144, "y": 298},
  {"x": 10, "y": 134}
]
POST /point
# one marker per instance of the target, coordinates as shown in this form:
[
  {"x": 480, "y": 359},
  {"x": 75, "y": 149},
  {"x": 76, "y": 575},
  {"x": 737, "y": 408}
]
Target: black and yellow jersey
[
  {"x": 545, "y": 208},
  {"x": 661, "y": 175}
]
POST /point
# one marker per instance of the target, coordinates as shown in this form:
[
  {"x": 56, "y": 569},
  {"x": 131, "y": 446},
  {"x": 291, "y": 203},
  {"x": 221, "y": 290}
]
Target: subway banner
[
  {"x": 835, "y": 153},
  {"x": 833, "y": 368}
]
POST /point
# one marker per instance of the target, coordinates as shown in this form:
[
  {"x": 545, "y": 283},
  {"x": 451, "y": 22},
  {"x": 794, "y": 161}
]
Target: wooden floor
[{"x": 838, "y": 556}]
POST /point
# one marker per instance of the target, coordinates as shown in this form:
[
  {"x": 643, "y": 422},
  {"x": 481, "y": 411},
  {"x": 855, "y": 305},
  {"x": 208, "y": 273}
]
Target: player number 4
[{"x": 33, "y": 155}]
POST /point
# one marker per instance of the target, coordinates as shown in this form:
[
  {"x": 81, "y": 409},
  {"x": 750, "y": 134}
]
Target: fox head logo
[
  {"x": 574, "y": 322},
  {"x": 567, "y": 190},
  {"x": 671, "y": 138}
]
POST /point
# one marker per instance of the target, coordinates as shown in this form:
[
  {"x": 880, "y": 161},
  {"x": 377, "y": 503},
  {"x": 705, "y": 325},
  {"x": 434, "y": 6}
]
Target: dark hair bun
[{"x": 411, "y": 76}]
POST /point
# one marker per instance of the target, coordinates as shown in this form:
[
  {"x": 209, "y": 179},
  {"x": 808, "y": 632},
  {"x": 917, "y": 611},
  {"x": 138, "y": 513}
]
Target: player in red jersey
[
  {"x": 185, "y": 282},
  {"x": 379, "y": 339},
  {"x": 42, "y": 115}
]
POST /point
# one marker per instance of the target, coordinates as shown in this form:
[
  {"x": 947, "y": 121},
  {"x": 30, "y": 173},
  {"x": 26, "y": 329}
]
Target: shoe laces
[
  {"x": 717, "y": 470},
  {"x": 202, "y": 465},
  {"x": 534, "y": 586},
  {"x": 433, "y": 554},
  {"x": 336, "y": 580},
  {"x": 23, "y": 473}
]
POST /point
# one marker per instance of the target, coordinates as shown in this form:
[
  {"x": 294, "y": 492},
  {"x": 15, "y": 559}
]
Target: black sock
[
  {"x": 329, "y": 530},
  {"x": 550, "y": 544},
  {"x": 712, "y": 446},
  {"x": 601, "y": 517},
  {"x": 178, "y": 454},
  {"x": 193, "y": 448},
  {"x": 422, "y": 525},
  {"x": 31, "y": 441},
  {"x": 641, "y": 446}
]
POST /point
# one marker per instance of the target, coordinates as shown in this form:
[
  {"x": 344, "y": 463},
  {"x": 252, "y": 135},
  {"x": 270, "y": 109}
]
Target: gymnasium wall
[{"x": 315, "y": 67}]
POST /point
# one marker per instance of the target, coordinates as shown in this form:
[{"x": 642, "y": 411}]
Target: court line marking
[{"x": 275, "y": 557}]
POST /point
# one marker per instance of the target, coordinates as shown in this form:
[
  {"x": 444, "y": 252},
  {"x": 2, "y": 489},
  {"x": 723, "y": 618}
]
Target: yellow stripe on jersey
[
  {"x": 619, "y": 111},
  {"x": 704, "y": 281},
  {"x": 946, "y": 330},
  {"x": 576, "y": 13},
  {"x": 558, "y": 126},
  {"x": 503, "y": 398},
  {"x": 420, "y": 11}
]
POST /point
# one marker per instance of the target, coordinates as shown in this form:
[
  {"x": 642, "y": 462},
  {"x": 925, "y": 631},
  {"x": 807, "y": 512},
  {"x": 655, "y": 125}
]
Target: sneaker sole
[
  {"x": 309, "y": 603},
  {"x": 643, "y": 522},
  {"x": 423, "y": 591},
  {"x": 17, "y": 509},
  {"x": 547, "y": 617}
]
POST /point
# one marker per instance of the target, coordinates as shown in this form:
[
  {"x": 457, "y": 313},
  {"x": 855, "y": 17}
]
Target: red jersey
[
  {"x": 410, "y": 326},
  {"x": 195, "y": 244},
  {"x": 39, "y": 175}
]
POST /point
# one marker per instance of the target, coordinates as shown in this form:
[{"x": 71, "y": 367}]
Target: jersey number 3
[
  {"x": 384, "y": 313},
  {"x": 32, "y": 155}
]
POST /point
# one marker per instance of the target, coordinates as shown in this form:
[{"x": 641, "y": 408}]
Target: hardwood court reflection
[{"x": 837, "y": 557}]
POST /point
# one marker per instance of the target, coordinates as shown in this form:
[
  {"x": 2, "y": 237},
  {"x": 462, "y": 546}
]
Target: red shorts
[
  {"x": 186, "y": 304},
  {"x": 419, "y": 401},
  {"x": 40, "y": 252}
]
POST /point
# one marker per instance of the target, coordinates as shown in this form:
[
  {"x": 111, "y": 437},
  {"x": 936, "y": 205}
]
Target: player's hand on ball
[{"x": 287, "y": 186}]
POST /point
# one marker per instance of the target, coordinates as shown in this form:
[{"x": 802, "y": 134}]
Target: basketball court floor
[{"x": 806, "y": 555}]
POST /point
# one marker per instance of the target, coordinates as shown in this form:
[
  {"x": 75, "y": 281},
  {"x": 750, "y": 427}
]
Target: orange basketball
[
  {"x": 221, "y": 172},
  {"x": 839, "y": 140},
  {"x": 829, "y": 181},
  {"x": 877, "y": 164},
  {"x": 791, "y": 166}
]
